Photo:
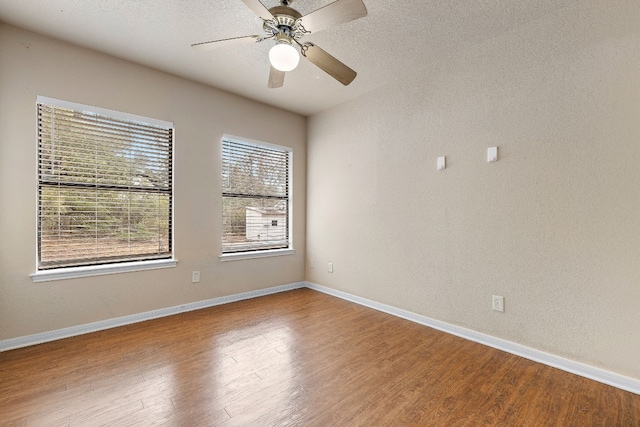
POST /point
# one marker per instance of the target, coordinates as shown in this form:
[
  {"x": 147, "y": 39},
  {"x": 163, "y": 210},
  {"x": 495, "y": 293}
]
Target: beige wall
[
  {"x": 553, "y": 226},
  {"x": 32, "y": 65}
]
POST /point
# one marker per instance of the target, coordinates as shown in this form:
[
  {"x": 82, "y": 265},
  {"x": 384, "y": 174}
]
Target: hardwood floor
[{"x": 299, "y": 358}]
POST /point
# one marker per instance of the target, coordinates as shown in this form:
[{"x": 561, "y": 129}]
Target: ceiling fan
[{"x": 287, "y": 27}]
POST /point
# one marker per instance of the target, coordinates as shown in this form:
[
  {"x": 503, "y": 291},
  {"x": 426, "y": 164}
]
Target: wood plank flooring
[{"x": 299, "y": 358}]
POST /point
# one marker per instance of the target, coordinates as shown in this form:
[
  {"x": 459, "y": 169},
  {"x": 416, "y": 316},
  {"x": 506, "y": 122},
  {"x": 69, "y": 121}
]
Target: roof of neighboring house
[{"x": 268, "y": 211}]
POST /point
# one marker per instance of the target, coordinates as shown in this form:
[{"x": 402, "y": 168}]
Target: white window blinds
[
  {"x": 104, "y": 187},
  {"x": 255, "y": 197}
]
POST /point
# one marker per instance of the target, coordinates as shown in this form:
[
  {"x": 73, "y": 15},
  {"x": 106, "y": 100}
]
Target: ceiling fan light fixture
[
  {"x": 286, "y": 26},
  {"x": 284, "y": 57}
]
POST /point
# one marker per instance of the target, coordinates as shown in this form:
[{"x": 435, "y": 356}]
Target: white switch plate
[
  {"x": 498, "y": 303},
  {"x": 492, "y": 154},
  {"x": 441, "y": 163},
  {"x": 330, "y": 267},
  {"x": 195, "y": 276}
]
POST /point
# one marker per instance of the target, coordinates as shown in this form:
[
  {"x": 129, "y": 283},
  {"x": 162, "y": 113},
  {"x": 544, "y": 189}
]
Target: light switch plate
[
  {"x": 497, "y": 303},
  {"x": 492, "y": 154}
]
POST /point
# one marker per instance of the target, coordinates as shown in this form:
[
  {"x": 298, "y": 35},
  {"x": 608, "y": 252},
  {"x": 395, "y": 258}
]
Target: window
[
  {"x": 256, "y": 201},
  {"x": 104, "y": 186}
]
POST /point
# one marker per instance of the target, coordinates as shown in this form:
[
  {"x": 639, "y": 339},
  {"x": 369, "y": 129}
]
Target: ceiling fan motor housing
[
  {"x": 285, "y": 15},
  {"x": 286, "y": 18}
]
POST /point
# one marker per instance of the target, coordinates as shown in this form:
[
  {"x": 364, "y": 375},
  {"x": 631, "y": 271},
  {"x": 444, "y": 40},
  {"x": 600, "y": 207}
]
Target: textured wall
[
  {"x": 32, "y": 65},
  {"x": 553, "y": 225}
]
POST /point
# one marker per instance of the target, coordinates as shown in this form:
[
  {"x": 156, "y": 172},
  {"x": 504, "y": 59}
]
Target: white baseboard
[
  {"x": 616, "y": 380},
  {"x": 610, "y": 378},
  {"x": 139, "y": 317}
]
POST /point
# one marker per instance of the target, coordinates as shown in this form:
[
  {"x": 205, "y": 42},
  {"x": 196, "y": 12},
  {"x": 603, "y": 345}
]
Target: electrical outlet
[
  {"x": 195, "y": 276},
  {"x": 330, "y": 267},
  {"x": 498, "y": 303}
]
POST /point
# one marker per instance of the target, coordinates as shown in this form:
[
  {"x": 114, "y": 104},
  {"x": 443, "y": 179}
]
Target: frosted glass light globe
[{"x": 284, "y": 57}]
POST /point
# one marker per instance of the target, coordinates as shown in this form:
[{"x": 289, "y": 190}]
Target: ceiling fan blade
[
  {"x": 276, "y": 78},
  {"x": 328, "y": 63},
  {"x": 335, "y": 13},
  {"x": 215, "y": 44},
  {"x": 259, "y": 9}
]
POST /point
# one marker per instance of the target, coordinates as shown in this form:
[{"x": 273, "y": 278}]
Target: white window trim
[
  {"x": 123, "y": 267},
  {"x": 99, "y": 270},
  {"x": 256, "y": 254}
]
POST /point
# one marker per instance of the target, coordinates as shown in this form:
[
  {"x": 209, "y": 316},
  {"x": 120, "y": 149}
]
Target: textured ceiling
[{"x": 395, "y": 40}]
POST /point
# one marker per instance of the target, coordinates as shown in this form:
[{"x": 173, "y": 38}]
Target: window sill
[
  {"x": 257, "y": 254},
  {"x": 99, "y": 270}
]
